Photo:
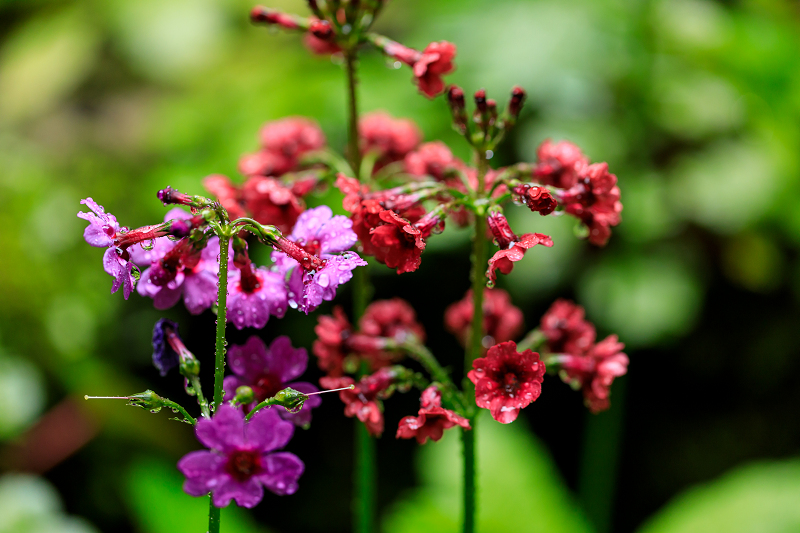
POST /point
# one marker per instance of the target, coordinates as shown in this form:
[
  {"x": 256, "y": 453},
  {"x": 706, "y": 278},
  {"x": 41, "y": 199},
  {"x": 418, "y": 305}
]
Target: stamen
[
  {"x": 87, "y": 397},
  {"x": 351, "y": 387}
]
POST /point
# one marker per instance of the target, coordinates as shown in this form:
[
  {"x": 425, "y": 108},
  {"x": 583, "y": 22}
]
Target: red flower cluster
[
  {"x": 502, "y": 320},
  {"x": 432, "y": 159},
  {"x": 432, "y": 419},
  {"x": 588, "y": 366},
  {"x": 362, "y": 402},
  {"x": 559, "y": 164},
  {"x": 429, "y": 65},
  {"x": 391, "y": 138},
  {"x": 506, "y": 380},
  {"x": 512, "y": 247},
  {"x": 594, "y": 199},
  {"x": 385, "y": 322}
]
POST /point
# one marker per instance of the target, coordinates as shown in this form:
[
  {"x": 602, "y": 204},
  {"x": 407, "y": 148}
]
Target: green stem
[
  {"x": 353, "y": 152},
  {"x": 366, "y": 477},
  {"x": 532, "y": 341},
  {"x": 201, "y": 400},
  {"x": 219, "y": 360},
  {"x": 178, "y": 407},
  {"x": 474, "y": 347},
  {"x": 423, "y": 356}
]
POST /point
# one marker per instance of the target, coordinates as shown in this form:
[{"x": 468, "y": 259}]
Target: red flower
[
  {"x": 559, "y": 164},
  {"x": 329, "y": 348},
  {"x": 433, "y": 419},
  {"x": 595, "y": 372},
  {"x": 320, "y": 38},
  {"x": 366, "y": 217},
  {"x": 502, "y": 321},
  {"x": 362, "y": 401},
  {"x": 292, "y": 137},
  {"x": 229, "y": 196},
  {"x": 271, "y": 202},
  {"x": 536, "y": 198},
  {"x": 391, "y": 138},
  {"x": 566, "y": 330},
  {"x": 595, "y": 201},
  {"x": 264, "y": 163},
  {"x": 394, "y": 319},
  {"x": 436, "y": 60},
  {"x": 431, "y": 159},
  {"x": 504, "y": 260},
  {"x": 398, "y": 244},
  {"x": 507, "y": 381}
]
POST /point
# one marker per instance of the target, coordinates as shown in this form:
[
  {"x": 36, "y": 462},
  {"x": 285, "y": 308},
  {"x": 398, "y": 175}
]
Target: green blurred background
[{"x": 695, "y": 104}]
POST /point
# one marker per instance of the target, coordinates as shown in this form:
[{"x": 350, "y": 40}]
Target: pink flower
[
  {"x": 431, "y": 159},
  {"x": 566, "y": 330},
  {"x": 270, "y": 202},
  {"x": 103, "y": 231},
  {"x": 512, "y": 248},
  {"x": 242, "y": 460},
  {"x": 432, "y": 419},
  {"x": 538, "y": 199},
  {"x": 595, "y": 372},
  {"x": 229, "y": 196},
  {"x": 559, "y": 164},
  {"x": 253, "y": 295},
  {"x": 436, "y": 61},
  {"x": 594, "y": 199},
  {"x": 398, "y": 244},
  {"x": 391, "y": 138},
  {"x": 292, "y": 137},
  {"x": 363, "y": 401},
  {"x": 507, "y": 381},
  {"x": 502, "y": 320}
]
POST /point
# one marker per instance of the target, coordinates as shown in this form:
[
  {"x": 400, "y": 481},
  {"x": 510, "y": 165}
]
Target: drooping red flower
[
  {"x": 566, "y": 330},
  {"x": 270, "y": 202},
  {"x": 595, "y": 201},
  {"x": 538, "y": 199},
  {"x": 559, "y": 164},
  {"x": 391, "y": 138},
  {"x": 512, "y": 248},
  {"x": 433, "y": 419},
  {"x": 502, "y": 320},
  {"x": 595, "y": 372},
  {"x": 398, "y": 244},
  {"x": 394, "y": 319},
  {"x": 362, "y": 401},
  {"x": 431, "y": 159},
  {"x": 320, "y": 38},
  {"x": 436, "y": 61},
  {"x": 229, "y": 196},
  {"x": 506, "y": 380}
]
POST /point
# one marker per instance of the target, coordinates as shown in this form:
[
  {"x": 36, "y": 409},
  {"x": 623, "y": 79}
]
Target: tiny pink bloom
[
  {"x": 559, "y": 164},
  {"x": 566, "y": 330},
  {"x": 594, "y": 199},
  {"x": 292, "y": 137},
  {"x": 431, "y": 159},
  {"x": 269, "y": 370},
  {"x": 103, "y": 232},
  {"x": 242, "y": 460},
  {"x": 254, "y": 295},
  {"x": 506, "y": 381},
  {"x": 595, "y": 372},
  {"x": 502, "y": 320},
  {"x": 391, "y": 138},
  {"x": 432, "y": 419},
  {"x": 436, "y": 60}
]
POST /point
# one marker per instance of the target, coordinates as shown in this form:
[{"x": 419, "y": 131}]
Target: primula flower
[
  {"x": 538, "y": 199},
  {"x": 506, "y": 381},
  {"x": 270, "y": 202},
  {"x": 391, "y": 138},
  {"x": 229, "y": 196},
  {"x": 102, "y": 232},
  {"x": 398, "y": 244},
  {"x": 292, "y": 137},
  {"x": 336, "y": 340},
  {"x": 394, "y": 319},
  {"x": 566, "y": 330},
  {"x": 436, "y": 61},
  {"x": 431, "y": 159},
  {"x": 595, "y": 201},
  {"x": 309, "y": 252},
  {"x": 512, "y": 248},
  {"x": 432, "y": 419},
  {"x": 362, "y": 401},
  {"x": 559, "y": 164},
  {"x": 595, "y": 372},
  {"x": 176, "y": 269},
  {"x": 502, "y": 321},
  {"x": 269, "y": 370},
  {"x": 242, "y": 460},
  {"x": 165, "y": 356},
  {"x": 255, "y": 294}
]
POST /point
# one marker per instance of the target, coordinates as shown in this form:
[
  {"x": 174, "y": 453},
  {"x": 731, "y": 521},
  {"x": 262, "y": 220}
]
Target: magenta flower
[
  {"x": 269, "y": 370},
  {"x": 176, "y": 269},
  {"x": 318, "y": 234},
  {"x": 242, "y": 460},
  {"x": 101, "y": 233},
  {"x": 254, "y": 295}
]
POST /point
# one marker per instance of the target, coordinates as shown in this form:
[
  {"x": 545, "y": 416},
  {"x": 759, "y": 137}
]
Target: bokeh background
[{"x": 695, "y": 104}]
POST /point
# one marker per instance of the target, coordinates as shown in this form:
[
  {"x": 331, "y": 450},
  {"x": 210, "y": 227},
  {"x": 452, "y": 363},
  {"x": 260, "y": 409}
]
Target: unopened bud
[
  {"x": 147, "y": 400},
  {"x": 173, "y": 196},
  {"x": 292, "y": 400},
  {"x": 244, "y": 395},
  {"x": 517, "y": 99},
  {"x": 501, "y": 230},
  {"x": 491, "y": 106},
  {"x": 455, "y": 98},
  {"x": 480, "y": 100},
  {"x": 321, "y": 29}
]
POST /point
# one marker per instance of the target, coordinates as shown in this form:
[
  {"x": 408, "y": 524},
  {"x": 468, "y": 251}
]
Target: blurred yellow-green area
[{"x": 695, "y": 104}]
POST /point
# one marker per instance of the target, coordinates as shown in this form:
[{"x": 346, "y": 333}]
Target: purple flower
[
  {"x": 164, "y": 356},
  {"x": 102, "y": 232},
  {"x": 269, "y": 370},
  {"x": 168, "y": 277},
  {"x": 254, "y": 295},
  {"x": 240, "y": 463},
  {"x": 318, "y": 232}
]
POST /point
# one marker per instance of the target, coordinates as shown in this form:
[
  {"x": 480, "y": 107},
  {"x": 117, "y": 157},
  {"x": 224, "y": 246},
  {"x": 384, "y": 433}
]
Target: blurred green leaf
[
  {"x": 760, "y": 497},
  {"x": 519, "y": 486}
]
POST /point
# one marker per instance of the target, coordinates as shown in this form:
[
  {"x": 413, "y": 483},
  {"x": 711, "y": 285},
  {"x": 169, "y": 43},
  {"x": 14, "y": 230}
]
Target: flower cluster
[
  {"x": 586, "y": 365},
  {"x": 502, "y": 320}
]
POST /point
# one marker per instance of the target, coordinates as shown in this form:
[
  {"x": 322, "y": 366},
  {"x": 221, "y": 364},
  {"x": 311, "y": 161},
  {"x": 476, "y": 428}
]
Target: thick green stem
[
  {"x": 219, "y": 360},
  {"x": 353, "y": 151},
  {"x": 366, "y": 477},
  {"x": 475, "y": 345}
]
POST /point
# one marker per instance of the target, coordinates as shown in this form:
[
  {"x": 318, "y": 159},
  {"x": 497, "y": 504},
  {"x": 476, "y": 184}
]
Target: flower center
[
  {"x": 510, "y": 383},
  {"x": 243, "y": 464},
  {"x": 249, "y": 280},
  {"x": 266, "y": 386},
  {"x": 312, "y": 247}
]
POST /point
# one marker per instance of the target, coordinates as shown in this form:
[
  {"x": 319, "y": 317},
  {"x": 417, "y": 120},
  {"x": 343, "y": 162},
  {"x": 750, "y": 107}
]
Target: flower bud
[
  {"x": 321, "y": 29},
  {"x": 147, "y": 400},
  {"x": 292, "y": 400},
  {"x": 455, "y": 97},
  {"x": 501, "y": 230},
  {"x": 244, "y": 395},
  {"x": 517, "y": 99}
]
